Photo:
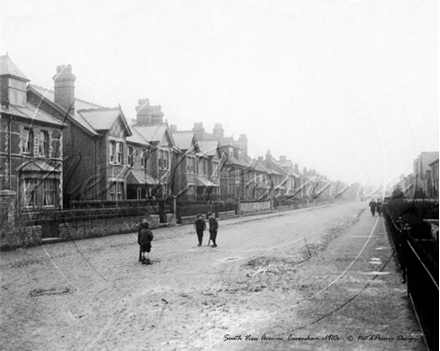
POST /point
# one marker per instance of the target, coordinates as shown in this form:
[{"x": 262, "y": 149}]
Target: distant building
[
  {"x": 163, "y": 153},
  {"x": 434, "y": 179},
  {"x": 422, "y": 173},
  {"x": 200, "y": 165}
]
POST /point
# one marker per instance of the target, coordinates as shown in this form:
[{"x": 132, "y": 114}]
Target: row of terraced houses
[{"x": 56, "y": 148}]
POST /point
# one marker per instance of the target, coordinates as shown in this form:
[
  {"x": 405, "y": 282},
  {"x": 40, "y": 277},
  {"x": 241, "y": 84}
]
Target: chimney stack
[
  {"x": 268, "y": 160},
  {"x": 283, "y": 159},
  {"x": 218, "y": 131},
  {"x": 198, "y": 130},
  {"x": 244, "y": 143},
  {"x": 64, "y": 86},
  {"x": 156, "y": 114},
  {"x": 148, "y": 114}
]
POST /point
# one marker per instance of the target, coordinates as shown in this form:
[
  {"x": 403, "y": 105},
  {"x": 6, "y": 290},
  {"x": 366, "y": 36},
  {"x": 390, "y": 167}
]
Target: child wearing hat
[
  {"x": 213, "y": 227},
  {"x": 145, "y": 236},
  {"x": 199, "y": 226}
]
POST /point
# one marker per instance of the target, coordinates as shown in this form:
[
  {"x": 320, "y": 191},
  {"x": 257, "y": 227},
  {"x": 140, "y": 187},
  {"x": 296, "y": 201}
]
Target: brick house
[
  {"x": 434, "y": 179},
  {"x": 94, "y": 141},
  {"x": 210, "y": 164},
  {"x": 162, "y": 156},
  {"x": 31, "y": 152},
  {"x": 140, "y": 160},
  {"x": 422, "y": 173},
  {"x": 240, "y": 175},
  {"x": 200, "y": 163}
]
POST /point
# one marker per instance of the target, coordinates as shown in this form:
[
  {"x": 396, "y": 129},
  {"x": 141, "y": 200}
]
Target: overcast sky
[{"x": 347, "y": 87}]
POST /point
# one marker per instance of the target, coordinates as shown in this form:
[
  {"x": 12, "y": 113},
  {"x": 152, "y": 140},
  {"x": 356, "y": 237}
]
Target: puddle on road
[
  {"x": 375, "y": 273},
  {"x": 375, "y": 260}
]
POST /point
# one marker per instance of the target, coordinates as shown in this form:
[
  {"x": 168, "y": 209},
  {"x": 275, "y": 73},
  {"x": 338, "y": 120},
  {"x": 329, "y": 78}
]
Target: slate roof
[
  {"x": 136, "y": 138},
  {"x": 208, "y": 147},
  {"x": 276, "y": 167},
  {"x": 8, "y": 68},
  {"x": 286, "y": 164},
  {"x": 32, "y": 114},
  {"x": 79, "y": 104},
  {"x": 295, "y": 174},
  {"x": 154, "y": 132},
  {"x": 101, "y": 118},
  {"x": 202, "y": 181},
  {"x": 139, "y": 177},
  {"x": 183, "y": 139},
  {"x": 90, "y": 116},
  {"x": 226, "y": 141}
]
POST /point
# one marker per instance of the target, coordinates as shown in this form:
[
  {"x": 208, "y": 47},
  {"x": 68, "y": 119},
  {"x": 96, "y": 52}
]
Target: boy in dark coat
[
  {"x": 379, "y": 207},
  {"x": 145, "y": 237},
  {"x": 200, "y": 226},
  {"x": 213, "y": 227},
  {"x": 372, "y": 205}
]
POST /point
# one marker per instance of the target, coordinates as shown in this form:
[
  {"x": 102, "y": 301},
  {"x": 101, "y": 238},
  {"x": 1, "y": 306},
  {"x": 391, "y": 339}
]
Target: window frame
[
  {"x": 28, "y": 141},
  {"x": 45, "y": 190},
  {"x": 16, "y": 92},
  {"x": 41, "y": 187},
  {"x": 112, "y": 151},
  {"x": 119, "y": 153},
  {"x": 130, "y": 156},
  {"x": 43, "y": 143},
  {"x": 164, "y": 159},
  {"x": 144, "y": 158}
]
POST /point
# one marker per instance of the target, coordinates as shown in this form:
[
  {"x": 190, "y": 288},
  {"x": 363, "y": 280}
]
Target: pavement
[{"x": 353, "y": 298}]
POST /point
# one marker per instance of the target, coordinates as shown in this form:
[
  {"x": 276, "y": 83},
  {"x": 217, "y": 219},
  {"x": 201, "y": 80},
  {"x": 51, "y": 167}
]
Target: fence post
[
  {"x": 404, "y": 243},
  {"x": 237, "y": 206}
]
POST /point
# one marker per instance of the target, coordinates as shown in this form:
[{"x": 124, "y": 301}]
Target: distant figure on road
[
  {"x": 213, "y": 227},
  {"x": 145, "y": 237},
  {"x": 379, "y": 207},
  {"x": 200, "y": 227},
  {"x": 372, "y": 205}
]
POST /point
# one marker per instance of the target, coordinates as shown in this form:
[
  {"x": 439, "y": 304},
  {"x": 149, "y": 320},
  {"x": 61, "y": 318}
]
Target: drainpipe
[
  {"x": 10, "y": 153},
  {"x": 96, "y": 174}
]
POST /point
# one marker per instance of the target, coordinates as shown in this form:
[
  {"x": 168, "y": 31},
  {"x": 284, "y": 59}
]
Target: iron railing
[{"x": 420, "y": 273}]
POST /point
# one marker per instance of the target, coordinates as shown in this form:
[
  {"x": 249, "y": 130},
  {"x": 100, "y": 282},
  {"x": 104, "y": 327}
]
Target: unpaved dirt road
[{"x": 95, "y": 295}]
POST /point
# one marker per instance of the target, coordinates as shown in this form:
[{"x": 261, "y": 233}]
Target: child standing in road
[
  {"x": 200, "y": 226},
  {"x": 372, "y": 205},
  {"x": 145, "y": 237},
  {"x": 213, "y": 227},
  {"x": 379, "y": 207}
]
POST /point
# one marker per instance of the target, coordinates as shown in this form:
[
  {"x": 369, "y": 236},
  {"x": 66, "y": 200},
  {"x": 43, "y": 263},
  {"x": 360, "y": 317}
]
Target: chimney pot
[{"x": 218, "y": 131}]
